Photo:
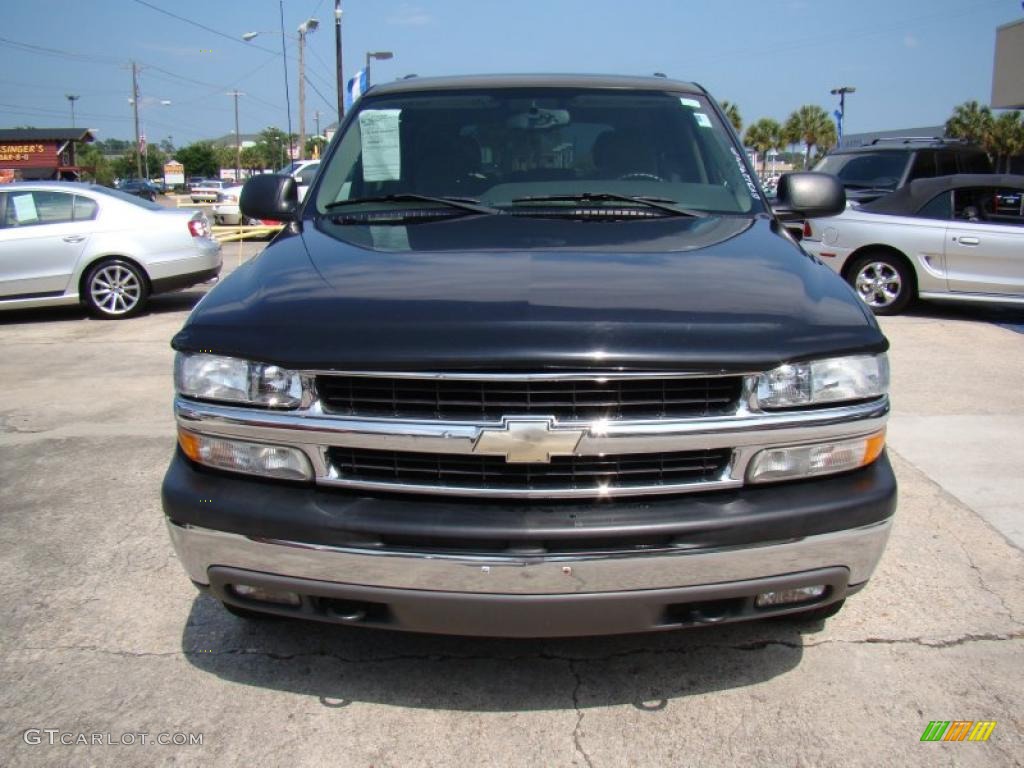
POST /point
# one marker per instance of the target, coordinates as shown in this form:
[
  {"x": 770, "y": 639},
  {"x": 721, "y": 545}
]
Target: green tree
[
  {"x": 733, "y": 113},
  {"x": 315, "y": 146},
  {"x": 126, "y": 166},
  {"x": 971, "y": 122},
  {"x": 98, "y": 168},
  {"x": 199, "y": 159},
  {"x": 812, "y": 126},
  {"x": 273, "y": 145},
  {"x": 1005, "y": 139},
  {"x": 252, "y": 159},
  {"x": 764, "y": 136}
]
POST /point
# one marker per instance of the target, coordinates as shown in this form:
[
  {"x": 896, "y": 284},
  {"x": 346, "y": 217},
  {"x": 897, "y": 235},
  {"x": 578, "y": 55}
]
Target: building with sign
[{"x": 31, "y": 154}]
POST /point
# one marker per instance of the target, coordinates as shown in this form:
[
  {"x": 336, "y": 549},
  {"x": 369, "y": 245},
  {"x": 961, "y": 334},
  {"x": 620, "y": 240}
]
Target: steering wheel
[{"x": 640, "y": 175}]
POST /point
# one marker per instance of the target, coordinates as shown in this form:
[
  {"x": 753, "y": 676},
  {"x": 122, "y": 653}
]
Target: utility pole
[
  {"x": 287, "y": 96},
  {"x": 238, "y": 139},
  {"x": 71, "y": 97},
  {"x": 337, "y": 56},
  {"x": 135, "y": 110}
]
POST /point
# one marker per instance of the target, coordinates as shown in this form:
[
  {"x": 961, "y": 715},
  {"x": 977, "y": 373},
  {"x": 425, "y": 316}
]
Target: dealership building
[{"x": 33, "y": 154}]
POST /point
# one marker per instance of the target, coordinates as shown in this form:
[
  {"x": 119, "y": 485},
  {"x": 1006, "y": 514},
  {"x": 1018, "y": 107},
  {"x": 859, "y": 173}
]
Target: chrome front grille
[
  {"x": 593, "y": 474},
  {"x": 571, "y": 398},
  {"x": 529, "y": 436}
]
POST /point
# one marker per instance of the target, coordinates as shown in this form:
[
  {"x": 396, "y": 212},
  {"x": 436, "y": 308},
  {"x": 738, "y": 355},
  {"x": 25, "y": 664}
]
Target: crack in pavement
[
  {"x": 754, "y": 645},
  {"x": 576, "y": 735},
  {"x": 981, "y": 580}
]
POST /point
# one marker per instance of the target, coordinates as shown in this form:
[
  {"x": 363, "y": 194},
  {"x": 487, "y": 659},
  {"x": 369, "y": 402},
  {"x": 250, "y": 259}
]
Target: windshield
[
  {"x": 876, "y": 170},
  {"x": 501, "y": 145}
]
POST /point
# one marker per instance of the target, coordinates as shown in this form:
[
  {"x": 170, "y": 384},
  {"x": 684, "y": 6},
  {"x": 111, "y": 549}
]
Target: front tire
[
  {"x": 115, "y": 289},
  {"x": 884, "y": 282}
]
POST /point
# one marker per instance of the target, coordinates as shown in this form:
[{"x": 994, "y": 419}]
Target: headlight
[
  {"x": 824, "y": 381},
  {"x": 212, "y": 377}
]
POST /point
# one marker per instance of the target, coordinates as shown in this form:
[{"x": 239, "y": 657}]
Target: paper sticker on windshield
[
  {"x": 25, "y": 208},
  {"x": 390, "y": 238},
  {"x": 689, "y": 102},
  {"x": 702, "y": 120},
  {"x": 382, "y": 152}
]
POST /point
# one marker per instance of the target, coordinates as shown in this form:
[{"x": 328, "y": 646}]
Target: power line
[
  {"x": 332, "y": 107},
  {"x": 211, "y": 30}
]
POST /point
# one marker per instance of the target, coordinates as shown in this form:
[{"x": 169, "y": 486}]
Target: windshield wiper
[
  {"x": 661, "y": 203},
  {"x": 462, "y": 203}
]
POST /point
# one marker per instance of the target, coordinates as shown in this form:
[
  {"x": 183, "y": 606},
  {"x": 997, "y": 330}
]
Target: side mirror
[
  {"x": 809, "y": 195},
  {"x": 269, "y": 196}
]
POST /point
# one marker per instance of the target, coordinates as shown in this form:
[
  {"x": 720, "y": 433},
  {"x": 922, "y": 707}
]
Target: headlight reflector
[
  {"x": 213, "y": 377},
  {"x": 824, "y": 381},
  {"x": 773, "y": 464},
  {"x": 276, "y": 461}
]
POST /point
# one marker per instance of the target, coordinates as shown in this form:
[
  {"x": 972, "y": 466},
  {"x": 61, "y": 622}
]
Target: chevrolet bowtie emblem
[{"x": 523, "y": 441}]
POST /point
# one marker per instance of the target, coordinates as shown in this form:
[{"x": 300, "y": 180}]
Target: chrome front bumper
[{"x": 857, "y": 550}]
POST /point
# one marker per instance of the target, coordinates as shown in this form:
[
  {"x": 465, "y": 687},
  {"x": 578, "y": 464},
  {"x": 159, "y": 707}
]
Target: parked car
[
  {"x": 952, "y": 238},
  {"x": 303, "y": 171},
  {"x": 886, "y": 164},
  {"x": 140, "y": 188},
  {"x": 68, "y": 243},
  {"x": 195, "y": 181},
  {"x": 535, "y": 358},
  {"x": 207, "y": 191},
  {"x": 226, "y": 210}
]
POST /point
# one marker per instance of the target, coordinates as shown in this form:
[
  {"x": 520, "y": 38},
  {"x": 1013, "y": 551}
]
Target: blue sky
[{"x": 910, "y": 60}]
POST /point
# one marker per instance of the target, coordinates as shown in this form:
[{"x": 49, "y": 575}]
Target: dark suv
[
  {"x": 870, "y": 171},
  {"x": 532, "y": 357}
]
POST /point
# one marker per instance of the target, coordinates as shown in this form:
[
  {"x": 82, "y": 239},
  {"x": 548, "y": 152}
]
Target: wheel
[
  {"x": 245, "y": 613},
  {"x": 115, "y": 289},
  {"x": 816, "y": 614},
  {"x": 884, "y": 282}
]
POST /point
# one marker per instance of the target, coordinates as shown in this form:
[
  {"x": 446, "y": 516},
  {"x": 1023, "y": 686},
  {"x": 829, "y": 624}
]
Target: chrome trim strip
[
  {"x": 545, "y": 376},
  {"x": 600, "y": 437},
  {"x": 857, "y": 549}
]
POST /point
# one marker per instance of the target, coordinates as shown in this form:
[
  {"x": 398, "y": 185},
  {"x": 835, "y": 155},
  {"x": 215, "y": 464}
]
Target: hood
[{"x": 510, "y": 292}]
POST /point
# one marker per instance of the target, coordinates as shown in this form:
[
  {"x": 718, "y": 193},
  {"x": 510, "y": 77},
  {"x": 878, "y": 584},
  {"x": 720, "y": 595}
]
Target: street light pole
[
  {"x": 380, "y": 56},
  {"x": 71, "y": 97},
  {"x": 337, "y": 57},
  {"x": 238, "y": 139},
  {"x": 307, "y": 26},
  {"x": 287, "y": 96},
  {"x": 841, "y": 93}
]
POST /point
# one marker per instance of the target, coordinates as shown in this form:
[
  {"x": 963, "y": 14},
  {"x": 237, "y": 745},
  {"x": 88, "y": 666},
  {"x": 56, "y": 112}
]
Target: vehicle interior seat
[{"x": 449, "y": 164}]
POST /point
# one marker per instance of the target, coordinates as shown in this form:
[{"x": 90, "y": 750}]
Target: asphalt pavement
[{"x": 102, "y": 634}]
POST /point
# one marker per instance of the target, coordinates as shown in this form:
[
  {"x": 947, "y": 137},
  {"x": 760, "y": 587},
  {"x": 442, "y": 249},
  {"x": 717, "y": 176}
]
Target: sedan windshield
[{"x": 499, "y": 147}]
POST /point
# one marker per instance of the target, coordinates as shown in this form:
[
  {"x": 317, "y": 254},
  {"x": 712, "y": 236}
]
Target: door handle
[
  {"x": 967, "y": 240},
  {"x": 74, "y": 238}
]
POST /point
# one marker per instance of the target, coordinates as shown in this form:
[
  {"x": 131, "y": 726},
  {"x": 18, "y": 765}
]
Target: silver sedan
[
  {"x": 951, "y": 238},
  {"x": 65, "y": 243}
]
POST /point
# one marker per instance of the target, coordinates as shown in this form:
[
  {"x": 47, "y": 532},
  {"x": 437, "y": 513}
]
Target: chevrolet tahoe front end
[{"x": 560, "y": 383}]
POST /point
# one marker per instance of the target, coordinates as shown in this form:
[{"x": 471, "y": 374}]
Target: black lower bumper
[
  {"x": 747, "y": 516},
  {"x": 178, "y": 282}
]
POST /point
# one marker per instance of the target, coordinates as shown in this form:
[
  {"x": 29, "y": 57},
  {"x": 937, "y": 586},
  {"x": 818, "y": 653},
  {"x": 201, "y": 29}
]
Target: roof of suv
[
  {"x": 908, "y": 143},
  {"x": 412, "y": 84}
]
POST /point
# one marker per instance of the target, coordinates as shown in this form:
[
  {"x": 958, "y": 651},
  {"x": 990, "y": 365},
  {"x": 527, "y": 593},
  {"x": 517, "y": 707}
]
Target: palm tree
[
  {"x": 1005, "y": 139},
  {"x": 733, "y": 113},
  {"x": 811, "y": 125},
  {"x": 971, "y": 122},
  {"x": 764, "y": 136}
]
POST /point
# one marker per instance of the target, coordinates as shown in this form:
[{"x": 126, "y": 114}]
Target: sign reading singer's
[{"x": 16, "y": 154}]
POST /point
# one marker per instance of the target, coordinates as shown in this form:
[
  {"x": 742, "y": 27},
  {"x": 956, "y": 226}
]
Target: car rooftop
[{"x": 457, "y": 82}]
